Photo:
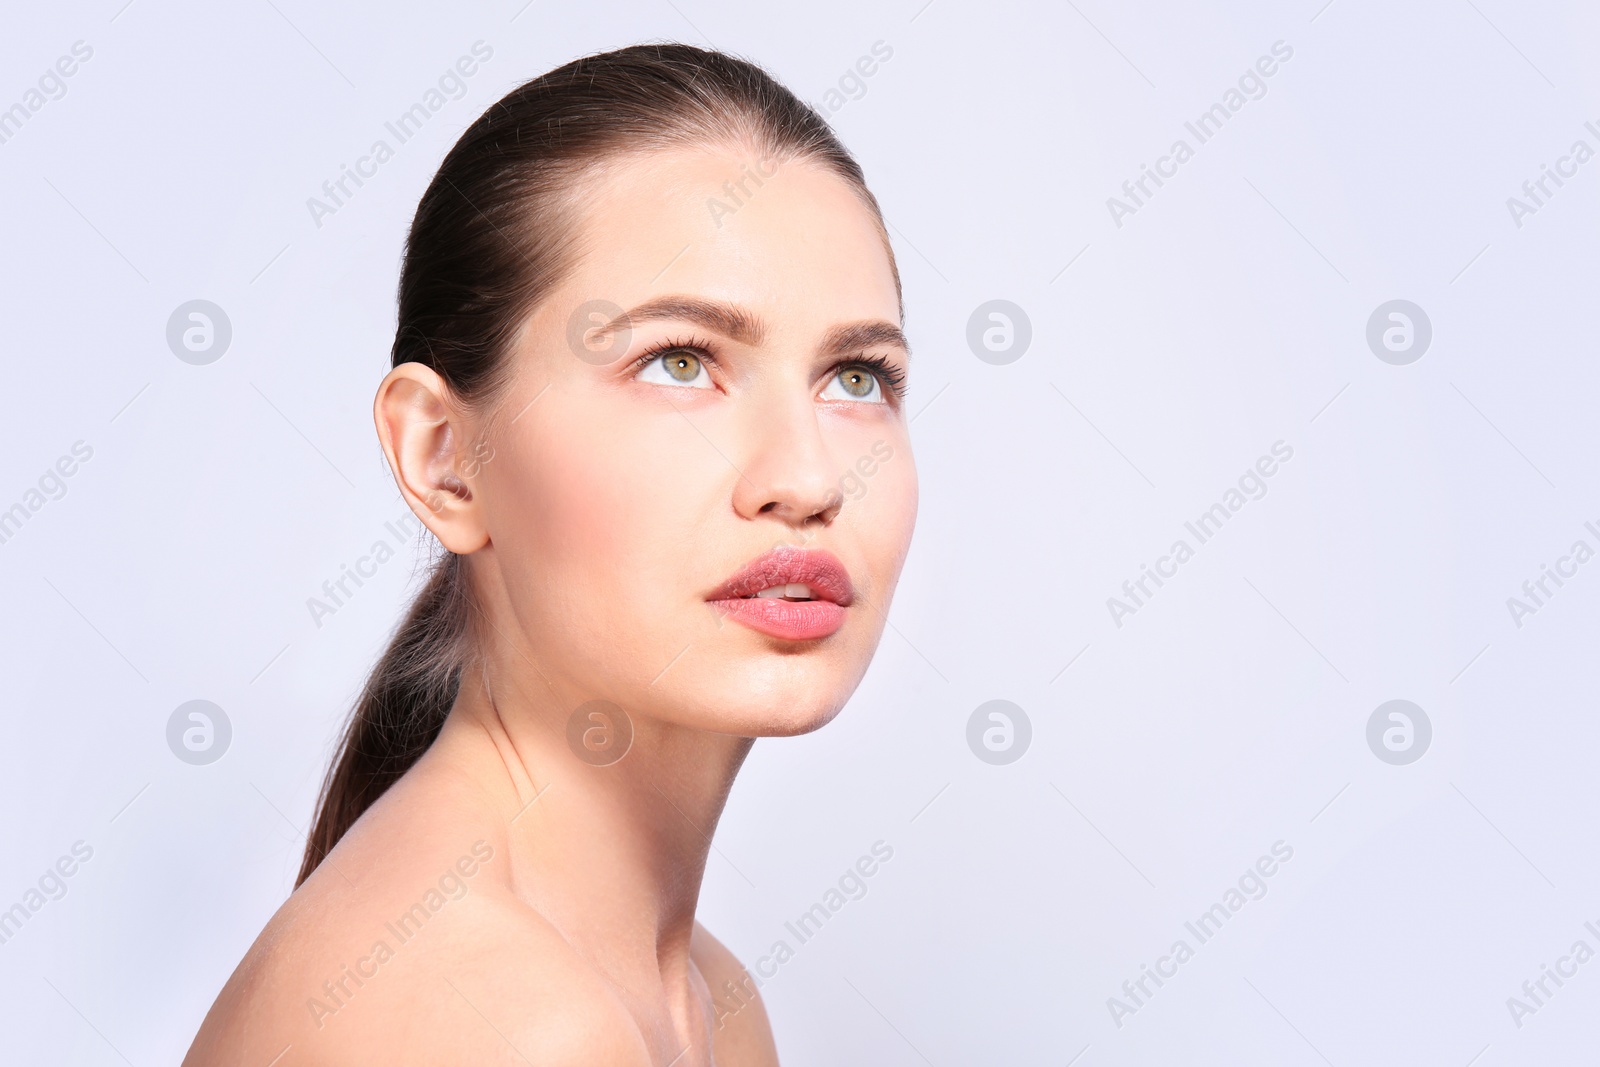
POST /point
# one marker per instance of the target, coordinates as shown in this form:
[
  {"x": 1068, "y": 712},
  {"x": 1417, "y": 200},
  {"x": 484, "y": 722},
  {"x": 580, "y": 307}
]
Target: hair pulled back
[{"x": 494, "y": 234}]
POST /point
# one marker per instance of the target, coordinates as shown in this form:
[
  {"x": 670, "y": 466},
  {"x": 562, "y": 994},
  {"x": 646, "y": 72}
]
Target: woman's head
[{"x": 648, "y": 333}]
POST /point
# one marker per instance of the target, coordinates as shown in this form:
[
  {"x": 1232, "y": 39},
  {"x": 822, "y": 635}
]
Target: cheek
[
  {"x": 600, "y": 525},
  {"x": 885, "y": 516}
]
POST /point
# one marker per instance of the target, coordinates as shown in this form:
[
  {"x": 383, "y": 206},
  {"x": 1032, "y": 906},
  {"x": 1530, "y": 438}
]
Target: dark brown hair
[{"x": 493, "y": 235}]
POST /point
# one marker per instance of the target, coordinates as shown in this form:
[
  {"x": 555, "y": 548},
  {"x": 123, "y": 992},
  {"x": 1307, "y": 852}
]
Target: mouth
[{"x": 791, "y": 593}]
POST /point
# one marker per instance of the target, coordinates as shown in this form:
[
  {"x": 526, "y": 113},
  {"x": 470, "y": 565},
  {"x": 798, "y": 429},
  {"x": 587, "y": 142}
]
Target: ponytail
[{"x": 401, "y": 708}]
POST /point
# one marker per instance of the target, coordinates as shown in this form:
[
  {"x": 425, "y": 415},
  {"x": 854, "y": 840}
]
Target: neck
[{"x": 612, "y": 854}]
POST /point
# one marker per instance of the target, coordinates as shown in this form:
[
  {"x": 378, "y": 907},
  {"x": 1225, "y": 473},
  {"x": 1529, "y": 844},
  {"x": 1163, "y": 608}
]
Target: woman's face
[{"x": 620, "y": 495}]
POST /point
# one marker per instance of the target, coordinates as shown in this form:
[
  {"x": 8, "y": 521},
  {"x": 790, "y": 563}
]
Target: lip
[{"x": 790, "y": 620}]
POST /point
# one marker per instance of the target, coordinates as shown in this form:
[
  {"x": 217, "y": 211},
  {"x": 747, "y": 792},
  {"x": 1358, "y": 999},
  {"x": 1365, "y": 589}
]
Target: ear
[{"x": 423, "y": 434}]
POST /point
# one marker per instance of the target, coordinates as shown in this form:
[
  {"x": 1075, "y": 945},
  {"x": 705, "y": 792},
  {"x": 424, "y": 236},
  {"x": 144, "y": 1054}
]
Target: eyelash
[{"x": 889, "y": 376}]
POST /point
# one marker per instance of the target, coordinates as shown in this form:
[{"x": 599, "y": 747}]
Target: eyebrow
[{"x": 736, "y": 323}]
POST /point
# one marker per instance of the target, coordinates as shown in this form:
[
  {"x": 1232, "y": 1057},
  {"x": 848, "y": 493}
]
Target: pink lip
[{"x": 790, "y": 620}]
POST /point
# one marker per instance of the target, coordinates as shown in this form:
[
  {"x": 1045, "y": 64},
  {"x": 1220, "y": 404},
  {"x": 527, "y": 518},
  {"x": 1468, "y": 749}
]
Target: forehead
[{"x": 790, "y": 240}]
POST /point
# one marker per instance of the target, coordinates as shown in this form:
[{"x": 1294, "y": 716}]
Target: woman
[{"x": 647, "y": 393}]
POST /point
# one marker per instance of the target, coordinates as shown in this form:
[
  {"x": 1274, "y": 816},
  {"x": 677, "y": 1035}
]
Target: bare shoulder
[
  {"x": 413, "y": 950},
  {"x": 742, "y": 1032}
]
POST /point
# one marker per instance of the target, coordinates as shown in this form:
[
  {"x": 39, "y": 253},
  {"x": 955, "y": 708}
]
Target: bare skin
[{"x": 551, "y": 901}]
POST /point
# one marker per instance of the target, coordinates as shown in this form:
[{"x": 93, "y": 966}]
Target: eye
[
  {"x": 855, "y": 383},
  {"x": 675, "y": 366}
]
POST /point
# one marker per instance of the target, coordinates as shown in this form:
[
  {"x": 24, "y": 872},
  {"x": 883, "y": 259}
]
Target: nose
[{"x": 788, "y": 472}]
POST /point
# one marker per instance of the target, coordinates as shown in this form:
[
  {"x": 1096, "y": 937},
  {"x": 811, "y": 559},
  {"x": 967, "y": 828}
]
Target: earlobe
[{"x": 421, "y": 430}]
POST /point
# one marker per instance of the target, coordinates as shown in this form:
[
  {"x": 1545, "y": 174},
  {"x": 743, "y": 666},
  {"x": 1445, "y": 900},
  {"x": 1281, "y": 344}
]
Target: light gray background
[{"x": 1168, "y": 354}]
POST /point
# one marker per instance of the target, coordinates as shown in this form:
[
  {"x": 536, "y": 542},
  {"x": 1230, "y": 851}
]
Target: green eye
[
  {"x": 857, "y": 383},
  {"x": 683, "y": 367},
  {"x": 676, "y": 366}
]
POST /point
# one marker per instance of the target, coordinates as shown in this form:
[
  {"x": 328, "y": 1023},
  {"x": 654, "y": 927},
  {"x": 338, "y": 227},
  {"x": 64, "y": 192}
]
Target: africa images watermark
[
  {"x": 852, "y": 484},
  {"x": 1204, "y": 527},
  {"x": 336, "y": 191},
  {"x": 451, "y": 885},
  {"x": 852, "y": 84},
  {"x": 1252, "y": 85},
  {"x": 734, "y": 996},
  {"x": 1565, "y": 569},
  {"x": 1137, "y": 992},
  {"x": 51, "y": 85},
  {"x": 337, "y": 591},
  {"x": 739, "y": 193},
  {"x": 52, "y": 885},
  {"x": 51, "y": 485},
  {"x": 1536, "y": 992},
  {"x": 850, "y": 487},
  {"x": 1537, "y": 190}
]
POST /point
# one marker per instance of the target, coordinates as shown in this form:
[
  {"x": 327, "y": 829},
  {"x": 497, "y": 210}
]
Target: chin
[
  {"x": 776, "y": 715},
  {"x": 783, "y": 696},
  {"x": 791, "y": 722}
]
